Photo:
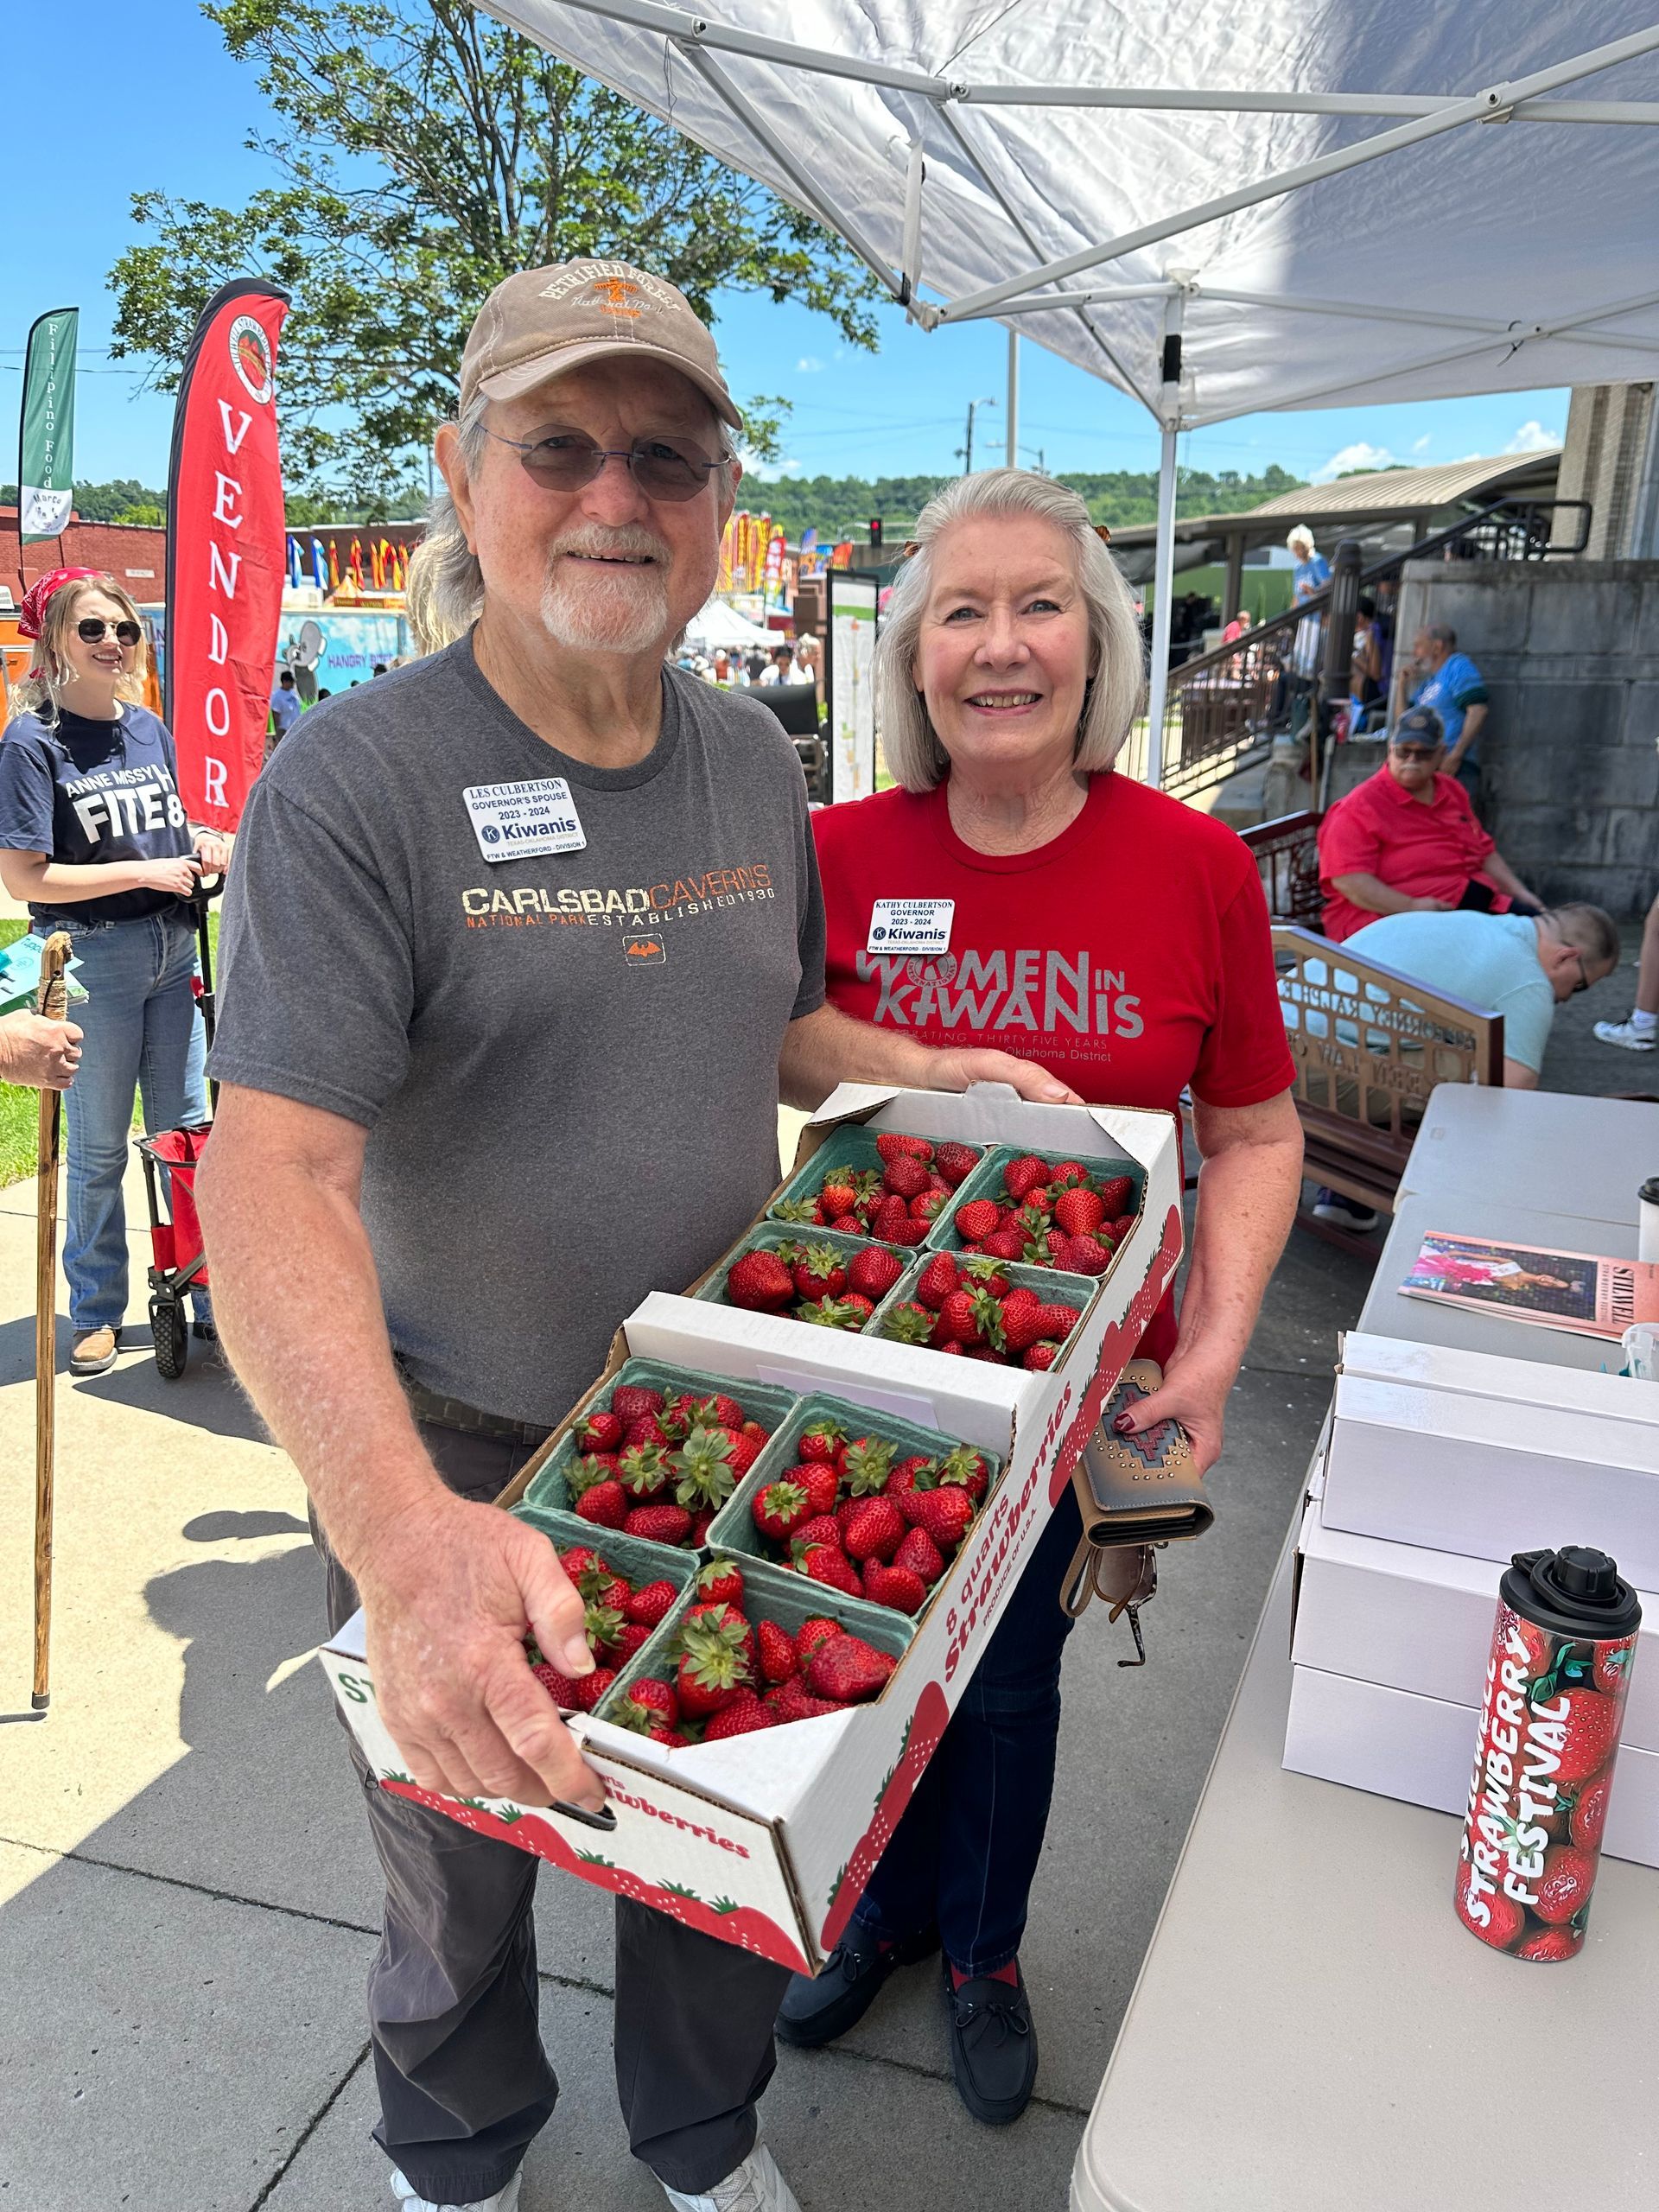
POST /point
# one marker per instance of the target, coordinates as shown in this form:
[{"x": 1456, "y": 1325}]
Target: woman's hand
[
  {"x": 213, "y": 852},
  {"x": 1194, "y": 1392},
  {"x": 953, "y": 1071},
  {"x": 178, "y": 876}
]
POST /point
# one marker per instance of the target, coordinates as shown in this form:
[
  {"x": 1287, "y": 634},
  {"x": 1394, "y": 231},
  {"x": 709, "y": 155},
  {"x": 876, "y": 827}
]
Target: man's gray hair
[
  {"x": 1118, "y": 679},
  {"x": 1589, "y": 929},
  {"x": 443, "y": 592},
  {"x": 1443, "y": 634}
]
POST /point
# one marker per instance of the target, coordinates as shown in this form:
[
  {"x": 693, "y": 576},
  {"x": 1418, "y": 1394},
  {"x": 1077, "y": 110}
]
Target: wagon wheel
[{"x": 172, "y": 1335}]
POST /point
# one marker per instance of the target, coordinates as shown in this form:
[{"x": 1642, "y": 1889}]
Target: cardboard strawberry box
[{"x": 766, "y": 1840}]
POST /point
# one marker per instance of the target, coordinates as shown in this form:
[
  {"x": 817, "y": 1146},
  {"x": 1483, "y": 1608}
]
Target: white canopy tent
[
  {"x": 720, "y": 627},
  {"x": 1284, "y": 204}
]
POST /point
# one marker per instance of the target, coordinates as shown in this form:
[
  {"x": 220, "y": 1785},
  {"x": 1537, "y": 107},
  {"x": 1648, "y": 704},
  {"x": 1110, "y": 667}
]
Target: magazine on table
[{"x": 1584, "y": 1292}]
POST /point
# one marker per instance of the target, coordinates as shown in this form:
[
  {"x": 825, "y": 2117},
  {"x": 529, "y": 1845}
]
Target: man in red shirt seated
[{"x": 1405, "y": 841}]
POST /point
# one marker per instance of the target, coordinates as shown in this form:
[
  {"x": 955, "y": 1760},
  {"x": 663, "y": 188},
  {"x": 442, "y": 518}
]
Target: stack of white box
[{"x": 1439, "y": 1465}]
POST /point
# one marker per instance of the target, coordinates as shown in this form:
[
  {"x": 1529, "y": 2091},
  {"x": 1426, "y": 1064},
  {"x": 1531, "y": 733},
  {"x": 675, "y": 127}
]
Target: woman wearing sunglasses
[{"x": 93, "y": 836}]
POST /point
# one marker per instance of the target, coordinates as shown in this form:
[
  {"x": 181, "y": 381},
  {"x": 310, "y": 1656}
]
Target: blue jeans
[
  {"x": 965, "y": 1853},
  {"x": 142, "y": 1031}
]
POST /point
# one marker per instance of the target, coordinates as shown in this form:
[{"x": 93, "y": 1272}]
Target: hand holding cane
[{"x": 52, "y": 1000}]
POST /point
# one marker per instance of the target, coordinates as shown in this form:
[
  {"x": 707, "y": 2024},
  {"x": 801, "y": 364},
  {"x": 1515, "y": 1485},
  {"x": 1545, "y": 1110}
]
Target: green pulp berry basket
[
  {"x": 636, "y": 1557},
  {"x": 986, "y": 1182},
  {"x": 852, "y": 1146},
  {"x": 769, "y": 1593},
  {"x": 550, "y": 1488},
  {"x": 767, "y": 1236},
  {"x": 1053, "y": 1287},
  {"x": 733, "y": 1531}
]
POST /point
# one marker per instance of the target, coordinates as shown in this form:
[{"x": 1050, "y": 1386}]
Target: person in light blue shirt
[
  {"x": 1521, "y": 966},
  {"x": 285, "y": 706},
  {"x": 1455, "y": 689}
]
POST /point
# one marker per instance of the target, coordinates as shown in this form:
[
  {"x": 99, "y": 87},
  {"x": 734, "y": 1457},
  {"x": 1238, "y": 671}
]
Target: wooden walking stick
[{"x": 52, "y": 1000}]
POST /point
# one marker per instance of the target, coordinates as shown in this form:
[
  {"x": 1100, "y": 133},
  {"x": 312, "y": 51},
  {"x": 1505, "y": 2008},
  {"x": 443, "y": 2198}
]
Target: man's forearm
[
  {"x": 1505, "y": 878},
  {"x": 317, "y": 1366},
  {"x": 827, "y": 1047},
  {"x": 1375, "y": 897}
]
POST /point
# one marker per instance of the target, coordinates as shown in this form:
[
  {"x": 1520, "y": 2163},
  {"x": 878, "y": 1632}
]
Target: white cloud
[
  {"x": 1422, "y": 444},
  {"x": 1532, "y": 437},
  {"x": 1358, "y": 455},
  {"x": 809, "y": 364},
  {"x": 769, "y": 471}
]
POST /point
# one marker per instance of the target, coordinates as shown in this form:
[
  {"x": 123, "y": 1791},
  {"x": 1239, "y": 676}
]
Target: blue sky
[{"x": 174, "y": 113}]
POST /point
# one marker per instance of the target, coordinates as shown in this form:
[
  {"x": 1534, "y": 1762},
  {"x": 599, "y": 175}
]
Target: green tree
[
  {"x": 147, "y": 515},
  {"x": 426, "y": 152}
]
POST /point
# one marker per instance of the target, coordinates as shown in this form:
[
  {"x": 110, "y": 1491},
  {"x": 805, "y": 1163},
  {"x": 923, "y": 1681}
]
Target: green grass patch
[{"x": 19, "y": 1108}]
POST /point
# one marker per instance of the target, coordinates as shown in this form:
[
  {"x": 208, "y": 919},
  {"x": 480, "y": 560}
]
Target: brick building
[{"x": 136, "y": 556}]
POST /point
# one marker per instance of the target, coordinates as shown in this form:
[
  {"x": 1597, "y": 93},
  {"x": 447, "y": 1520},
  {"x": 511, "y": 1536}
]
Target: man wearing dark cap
[{"x": 464, "y": 1130}]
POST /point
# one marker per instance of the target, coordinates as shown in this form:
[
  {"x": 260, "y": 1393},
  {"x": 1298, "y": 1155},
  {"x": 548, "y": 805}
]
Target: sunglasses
[
  {"x": 90, "y": 630},
  {"x": 567, "y": 461},
  {"x": 1416, "y": 751}
]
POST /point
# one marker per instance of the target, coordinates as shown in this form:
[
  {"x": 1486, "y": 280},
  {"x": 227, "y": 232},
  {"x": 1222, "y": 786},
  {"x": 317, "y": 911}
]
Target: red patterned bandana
[{"x": 32, "y": 612}]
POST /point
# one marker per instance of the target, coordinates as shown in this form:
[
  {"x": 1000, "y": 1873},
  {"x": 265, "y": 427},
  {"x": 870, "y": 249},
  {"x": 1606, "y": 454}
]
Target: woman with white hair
[
  {"x": 1311, "y": 572},
  {"x": 1122, "y": 940}
]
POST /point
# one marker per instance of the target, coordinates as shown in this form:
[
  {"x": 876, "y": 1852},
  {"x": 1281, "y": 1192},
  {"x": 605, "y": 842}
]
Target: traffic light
[{"x": 875, "y": 533}]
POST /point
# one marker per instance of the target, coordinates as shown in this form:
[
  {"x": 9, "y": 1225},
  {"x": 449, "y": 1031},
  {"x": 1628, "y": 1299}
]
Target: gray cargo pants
[{"x": 464, "y": 2082}]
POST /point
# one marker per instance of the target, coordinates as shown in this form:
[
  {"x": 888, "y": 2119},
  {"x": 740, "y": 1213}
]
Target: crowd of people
[{"x": 587, "y": 478}]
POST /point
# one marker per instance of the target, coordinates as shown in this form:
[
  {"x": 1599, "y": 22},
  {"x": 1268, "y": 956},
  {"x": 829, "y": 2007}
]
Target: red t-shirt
[
  {"x": 1427, "y": 849},
  {"x": 1132, "y": 954}
]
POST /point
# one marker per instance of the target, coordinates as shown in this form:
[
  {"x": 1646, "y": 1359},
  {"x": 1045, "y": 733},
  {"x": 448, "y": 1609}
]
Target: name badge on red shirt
[{"x": 911, "y": 926}]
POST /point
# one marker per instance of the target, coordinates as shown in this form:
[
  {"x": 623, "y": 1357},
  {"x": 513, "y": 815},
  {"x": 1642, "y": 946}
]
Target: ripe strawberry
[
  {"x": 592, "y": 1687},
  {"x": 849, "y": 1224},
  {"x": 820, "y": 1480},
  {"x": 987, "y": 1352},
  {"x": 965, "y": 1467},
  {"x": 649, "y": 1604},
  {"x": 894, "y": 1586},
  {"x": 644, "y": 1472},
  {"x": 740, "y": 1717},
  {"x": 958, "y": 1321},
  {"x": 944, "y": 1513},
  {"x": 823, "y": 1441},
  {"x": 893, "y": 1145},
  {"x": 745, "y": 1451},
  {"x": 927, "y": 1205},
  {"x": 1053, "y": 1244},
  {"x": 1590, "y": 1728},
  {"x": 704, "y": 1470},
  {"x": 1117, "y": 1195},
  {"x": 811, "y": 1634},
  {"x": 630, "y": 1399},
  {"x": 980, "y": 1271},
  {"x": 952, "y": 1347},
  {"x": 1024, "y": 1174},
  {"x": 759, "y": 1282},
  {"x": 978, "y": 1219},
  {"x": 920, "y": 1555},
  {"x": 1084, "y": 1256},
  {"x": 956, "y": 1163},
  {"x": 775, "y": 1652},
  {"x": 836, "y": 1197},
  {"x": 1058, "y": 1321},
  {"x": 606, "y": 1504},
  {"x": 909, "y": 1323},
  {"x": 564, "y": 1690},
  {"x": 659, "y": 1524},
  {"x": 905, "y": 1474},
  {"x": 600, "y": 1433},
  {"x": 847, "y": 1670},
  {"x": 1068, "y": 1173},
  {"x": 647, "y": 1431},
  {"x": 1004, "y": 1244},
  {"x": 1079, "y": 1212},
  {"x": 1020, "y": 1325},
  {"x": 906, "y": 1179},
  {"x": 869, "y": 1464},
  {"x": 579, "y": 1559},
  {"x": 827, "y": 1564},
  {"x": 714, "y": 1665},
  {"x": 819, "y": 1271},
  {"x": 791, "y": 1702},
  {"x": 648, "y": 1703},
  {"x": 873, "y": 1528},
  {"x": 849, "y": 1312},
  {"x": 822, "y": 1529},
  {"x": 592, "y": 1467},
  {"x": 1568, "y": 1878},
  {"x": 779, "y": 1509},
  {"x": 727, "y": 1617},
  {"x": 700, "y": 1528},
  {"x": 629, "y": 1638},
  {"x": 1589, "y": 1813},
  {"x": 611, "y": 1591},
  {"x": 1040, "y": 1358},
  {"x": 937, "y": 1280},
  {"x": 1492, "y": 1916},
  {"x": 874, "y": 1273},
  {"x": 721, "y": 1582}
]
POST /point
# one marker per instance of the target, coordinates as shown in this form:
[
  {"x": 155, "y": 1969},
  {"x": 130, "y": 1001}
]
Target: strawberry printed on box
[{"x": 767, "y": 1838}]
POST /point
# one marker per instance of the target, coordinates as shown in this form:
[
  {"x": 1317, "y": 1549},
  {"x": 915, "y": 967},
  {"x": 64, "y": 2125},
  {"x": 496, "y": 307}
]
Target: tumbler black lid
[
  {"x": 1575, "y": 1592},
  {"x": 1650, "y": 1191}
]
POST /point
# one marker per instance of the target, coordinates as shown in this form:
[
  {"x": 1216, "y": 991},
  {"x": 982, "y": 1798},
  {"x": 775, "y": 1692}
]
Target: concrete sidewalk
[{"x": 190, "y": 1901}]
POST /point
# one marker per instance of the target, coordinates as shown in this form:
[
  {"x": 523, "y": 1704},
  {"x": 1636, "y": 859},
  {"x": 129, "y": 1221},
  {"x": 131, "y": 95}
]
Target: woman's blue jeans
[
  {"x": 964, "y": 1854},
  {"x": 142, "y": 1032}
]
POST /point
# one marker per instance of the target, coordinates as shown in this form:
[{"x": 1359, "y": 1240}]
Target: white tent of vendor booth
[
  {"x": 720, "y": 628},
  {"x": 1281, "y": 204}
]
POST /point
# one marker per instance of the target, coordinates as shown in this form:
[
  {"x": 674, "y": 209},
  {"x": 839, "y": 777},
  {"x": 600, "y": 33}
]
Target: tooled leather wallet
[{"x": 1139, "y": 1489}]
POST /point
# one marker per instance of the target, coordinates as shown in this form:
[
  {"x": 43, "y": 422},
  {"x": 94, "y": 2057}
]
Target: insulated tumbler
[{"x": 1563, "y": 1646}]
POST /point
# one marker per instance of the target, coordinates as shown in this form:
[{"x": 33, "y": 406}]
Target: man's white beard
[{"x": 615, "y": 610}]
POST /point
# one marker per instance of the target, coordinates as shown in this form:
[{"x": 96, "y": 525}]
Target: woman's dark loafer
[
  {"x": 993, "y": 2047},
  {"x": 817, "y": 2008}
]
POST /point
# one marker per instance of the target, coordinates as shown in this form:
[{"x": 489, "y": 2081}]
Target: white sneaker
[
  {"x": 1627, "y": 1035},
  {"x": 755, "y": 2186},
  {"x": 505, "y": 2200}
]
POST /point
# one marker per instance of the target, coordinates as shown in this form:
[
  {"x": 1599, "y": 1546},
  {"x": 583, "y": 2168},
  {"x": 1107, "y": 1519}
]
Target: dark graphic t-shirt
[{"x": 86, "y": 793}]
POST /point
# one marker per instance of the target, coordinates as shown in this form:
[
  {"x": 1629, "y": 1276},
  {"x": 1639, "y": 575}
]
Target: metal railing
[{"x": 1224, "y": 707}]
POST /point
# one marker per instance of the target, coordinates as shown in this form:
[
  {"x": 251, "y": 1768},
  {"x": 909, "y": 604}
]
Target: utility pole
[
  {"x": 1012, "y": 425},
  {"x": 967, "y": 449}
]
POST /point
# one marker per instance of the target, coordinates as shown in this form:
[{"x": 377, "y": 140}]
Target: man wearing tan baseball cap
[{"x": 566, "y": 900}]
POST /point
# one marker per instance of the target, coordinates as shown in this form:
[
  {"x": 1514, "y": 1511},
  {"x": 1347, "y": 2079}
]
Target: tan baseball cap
[{"x": 543, "y": 321}]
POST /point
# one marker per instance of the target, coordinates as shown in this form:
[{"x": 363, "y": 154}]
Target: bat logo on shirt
[{"x": 643, "y": 952}]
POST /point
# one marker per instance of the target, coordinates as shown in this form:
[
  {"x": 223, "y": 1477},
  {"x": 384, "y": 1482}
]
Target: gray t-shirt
[{"x": 567, "y": 1063}]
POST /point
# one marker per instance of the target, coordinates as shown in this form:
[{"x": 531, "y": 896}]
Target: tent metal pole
[
  {"x": 756, "y": 124},
  {"x": 1049, "y": 302},
  {"x": 1014, "y": 399},
  {"x": 1498, "y": 100},
  {"x": 1163, "y": 583},
  {"x": 683, "y": 28},
  {"x": 915, "y": 174},
  {"x": 1426, "y": 317}
]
